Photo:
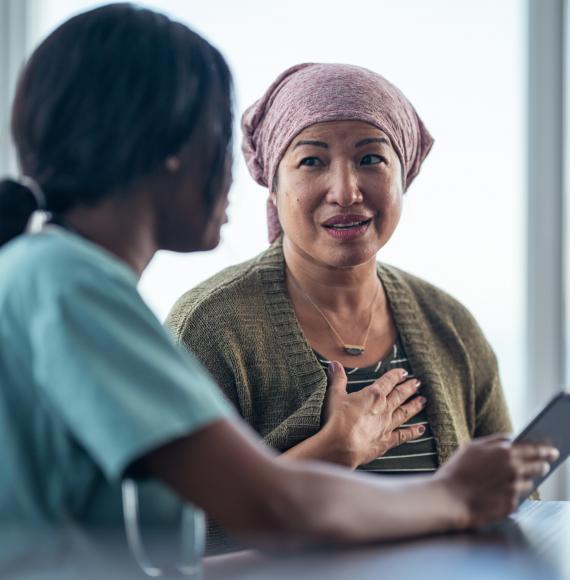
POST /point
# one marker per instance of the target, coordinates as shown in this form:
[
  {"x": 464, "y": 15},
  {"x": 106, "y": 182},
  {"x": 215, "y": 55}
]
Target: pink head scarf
[{"x": 307, "y": 94}]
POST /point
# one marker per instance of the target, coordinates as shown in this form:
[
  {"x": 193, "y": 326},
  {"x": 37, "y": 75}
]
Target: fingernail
[
  {"x": 418, "y": 383},
  {"x": 404, "y": 373},
  {"x": 545, "y": 468},
  {"x": 422, "y": 400},
  {"x": 421, "y": 429}
]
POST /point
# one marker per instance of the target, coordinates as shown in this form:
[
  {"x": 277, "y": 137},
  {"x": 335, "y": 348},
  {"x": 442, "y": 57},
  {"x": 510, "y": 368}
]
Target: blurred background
[{"x": 485, "y": 219}]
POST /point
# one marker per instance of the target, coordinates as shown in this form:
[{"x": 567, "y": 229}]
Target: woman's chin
[
  {"x": 348, "y": 257},
  {"x": 333, "y": 255},
  {"x": 348, "y": 253}
]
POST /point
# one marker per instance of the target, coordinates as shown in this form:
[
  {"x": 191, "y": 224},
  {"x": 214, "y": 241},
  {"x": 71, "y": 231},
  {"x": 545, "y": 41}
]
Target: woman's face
[{"x": 339, "y": 193}]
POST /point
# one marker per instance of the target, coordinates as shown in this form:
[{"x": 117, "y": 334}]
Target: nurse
[{"x": 122, "y": 124}]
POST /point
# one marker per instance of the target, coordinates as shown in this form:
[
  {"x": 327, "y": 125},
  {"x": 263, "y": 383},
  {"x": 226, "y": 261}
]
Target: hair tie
[{"x": 32, "y": 185}]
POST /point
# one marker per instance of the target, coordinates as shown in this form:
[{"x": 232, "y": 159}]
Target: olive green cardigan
[{"x": 241, "y": 325}]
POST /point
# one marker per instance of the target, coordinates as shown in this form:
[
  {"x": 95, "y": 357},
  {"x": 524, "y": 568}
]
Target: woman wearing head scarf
[
  {"x": 337, "y": 146},
  {"x": 93, "y": 389}
]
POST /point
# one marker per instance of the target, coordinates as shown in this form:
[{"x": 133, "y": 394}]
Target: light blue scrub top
[{"x": 89, "y": 382}]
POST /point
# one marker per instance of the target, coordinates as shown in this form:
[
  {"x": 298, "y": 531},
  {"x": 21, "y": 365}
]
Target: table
[{"x": 532, "y": 544}]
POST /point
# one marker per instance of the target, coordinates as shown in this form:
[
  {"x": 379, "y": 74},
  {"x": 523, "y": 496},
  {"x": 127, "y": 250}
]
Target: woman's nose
[{"x": 343, "y": 188}]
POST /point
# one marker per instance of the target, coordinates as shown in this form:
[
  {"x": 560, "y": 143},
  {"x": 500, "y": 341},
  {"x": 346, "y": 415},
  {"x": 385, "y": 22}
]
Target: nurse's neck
[{"x": 121, "y": 224}]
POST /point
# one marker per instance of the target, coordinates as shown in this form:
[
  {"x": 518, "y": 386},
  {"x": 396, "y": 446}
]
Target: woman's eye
[
  {"x": 372, "y": 160},
  {"x": 311, "y": 162}
]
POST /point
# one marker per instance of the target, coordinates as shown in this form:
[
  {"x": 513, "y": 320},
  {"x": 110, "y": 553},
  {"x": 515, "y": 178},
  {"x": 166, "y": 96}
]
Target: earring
[{"x": 172, "y": 163}]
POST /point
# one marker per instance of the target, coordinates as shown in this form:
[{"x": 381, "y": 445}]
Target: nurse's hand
[
  {"x": 359, "y": 427},
  {"x": 486, "y": 477}
]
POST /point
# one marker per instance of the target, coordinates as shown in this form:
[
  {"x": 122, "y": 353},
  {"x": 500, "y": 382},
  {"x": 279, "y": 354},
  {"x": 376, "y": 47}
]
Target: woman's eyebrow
[
  {"x": 369, "y": 140},
  {"x": 311, "y": 142}
]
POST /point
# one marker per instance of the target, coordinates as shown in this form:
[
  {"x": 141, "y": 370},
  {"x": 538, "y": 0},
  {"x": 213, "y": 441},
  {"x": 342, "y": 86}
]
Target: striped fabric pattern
[{"x": 413, "y": 457}]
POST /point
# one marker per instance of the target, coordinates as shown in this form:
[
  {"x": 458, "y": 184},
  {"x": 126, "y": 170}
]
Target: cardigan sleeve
[
  {"x": 491, "y": 411},
  {"x": 492, "y": 414}
]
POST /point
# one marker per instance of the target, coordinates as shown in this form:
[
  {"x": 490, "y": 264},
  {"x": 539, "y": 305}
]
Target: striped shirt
[{"x": 416, "y": 456}]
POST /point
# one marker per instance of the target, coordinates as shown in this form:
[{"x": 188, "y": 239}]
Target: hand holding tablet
[{"x": 552, "y": 427}]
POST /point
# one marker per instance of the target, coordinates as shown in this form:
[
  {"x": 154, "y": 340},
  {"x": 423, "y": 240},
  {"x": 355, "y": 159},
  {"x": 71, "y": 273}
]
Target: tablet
[{"x": 552, "y": 426}]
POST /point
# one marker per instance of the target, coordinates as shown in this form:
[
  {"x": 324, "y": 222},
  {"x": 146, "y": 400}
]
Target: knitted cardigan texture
[{"x": 242, "y": 326}]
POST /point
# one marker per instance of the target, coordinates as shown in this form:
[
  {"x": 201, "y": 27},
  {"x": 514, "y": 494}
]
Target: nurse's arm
[{"x": 225, "y": 470}]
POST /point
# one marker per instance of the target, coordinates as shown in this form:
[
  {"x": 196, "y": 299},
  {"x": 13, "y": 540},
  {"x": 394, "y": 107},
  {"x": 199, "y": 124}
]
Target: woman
[
  {"x": 337, "y": 146},
  {"x": 93, "y": 389}
]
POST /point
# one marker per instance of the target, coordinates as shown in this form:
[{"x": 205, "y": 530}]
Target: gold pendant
[{"x": 353, "y": 349}]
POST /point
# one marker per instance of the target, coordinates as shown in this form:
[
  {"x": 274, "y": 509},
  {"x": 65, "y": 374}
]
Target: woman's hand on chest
[{"x": 365, "y": 425}]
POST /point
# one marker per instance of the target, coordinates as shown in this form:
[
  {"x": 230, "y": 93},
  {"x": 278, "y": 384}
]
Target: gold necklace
[{"x": 351, "y": 349}]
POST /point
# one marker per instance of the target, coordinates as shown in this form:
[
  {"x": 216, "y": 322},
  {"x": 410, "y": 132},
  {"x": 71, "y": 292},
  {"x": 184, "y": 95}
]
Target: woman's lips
[{"x": 348, "y": 232}]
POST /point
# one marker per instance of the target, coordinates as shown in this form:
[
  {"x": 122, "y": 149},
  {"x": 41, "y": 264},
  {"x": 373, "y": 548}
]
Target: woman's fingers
[
  {"x": 337, "y": 378},
  {"x": 408, "y": 410},
  {"x": 404, "y": 434},
  {"x": 388, "y": 381},
  {"x": 402, "y": 392},
  {"x": 336, "y": 388}
]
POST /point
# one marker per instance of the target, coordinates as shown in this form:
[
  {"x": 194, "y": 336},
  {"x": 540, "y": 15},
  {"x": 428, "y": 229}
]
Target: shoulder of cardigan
[{"x": 206, "y": 298}]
